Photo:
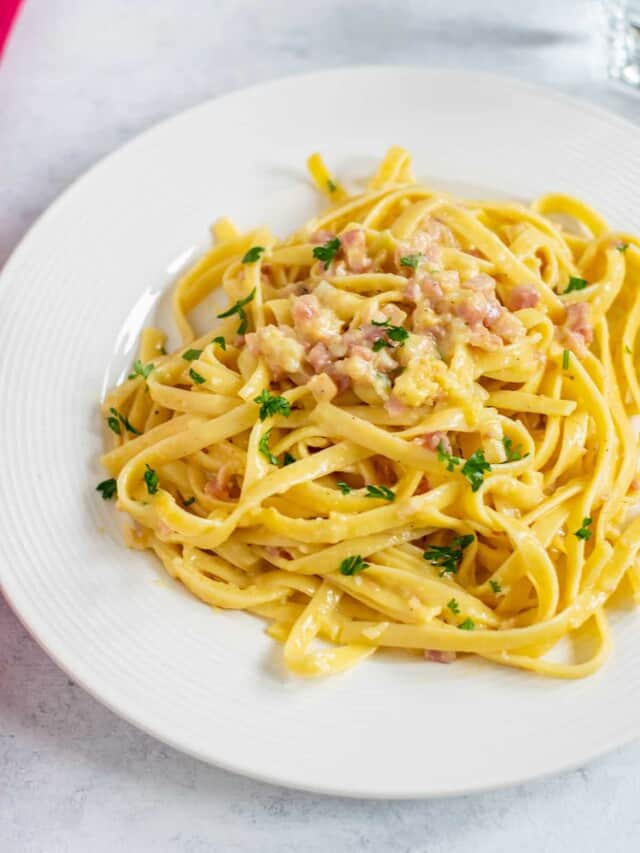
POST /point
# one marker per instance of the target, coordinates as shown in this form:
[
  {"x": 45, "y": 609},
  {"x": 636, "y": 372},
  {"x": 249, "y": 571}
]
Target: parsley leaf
[
  {"x": 331, "y": 186},
  {"x": 108, "y": 489},
  {"x": 327, "y": 252},
  {"x": 113, "y": 422},
  {"x": 453, "y": 606},
  {"x": 382, "y": 492},
  {"x": 448, "y": 557},
  {"x": 566, "y": 355},
  {"x": 191, "y": 354},
  {"x": 379, "y": 344},
  {"x": 271, "y": 405},
  {"x": 444, "y": 456},
  {"x": 220, "y": 341},
  {"x": 151, "y": 480},
  {"x": 197, "y": 378},
  {"x": 189, "y": 501},
  {"x": 467, "y": 625},
  {"x": 238, "y": 308},
  {"x": 464, "y": 541},
  {"x": 495, "y": 586},
  {"x": 410, "y": 261},
  {"x": 140, "y": 369},
  {"x": 118, "y": 418},
  {"x": 352, "y": 565},
  {"x": 253, "y": 255},
  {"x": 343, "y": 487},
  {"x": 263, "y": 447},
  {"x": 288, "y": 459},
  {"x": 474, "y": 468},
  {"x": 628, "y": 350},
  {"x": 576, "y": 283},
  {"x": 583, "y": 532},
  {"x": 622, "y": 247},
  {"x": 513, "y": 454},
  {"x": 397, "y": 334}
]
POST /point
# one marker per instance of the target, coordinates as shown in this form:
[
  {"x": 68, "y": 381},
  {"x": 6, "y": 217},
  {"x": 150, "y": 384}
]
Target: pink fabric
[{"x": 8, "y": 12}]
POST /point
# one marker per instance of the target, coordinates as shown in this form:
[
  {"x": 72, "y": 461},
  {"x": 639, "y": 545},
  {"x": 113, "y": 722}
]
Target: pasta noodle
[{"x": 413, "y": 425}]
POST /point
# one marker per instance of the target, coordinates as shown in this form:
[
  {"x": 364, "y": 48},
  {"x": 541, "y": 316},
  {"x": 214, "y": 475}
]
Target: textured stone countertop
[{"x": 79, "y": 78}]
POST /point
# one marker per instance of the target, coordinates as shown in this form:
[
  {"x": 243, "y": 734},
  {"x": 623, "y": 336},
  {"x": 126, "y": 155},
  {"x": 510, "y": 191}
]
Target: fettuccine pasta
[{"x": 410, "y": 425}]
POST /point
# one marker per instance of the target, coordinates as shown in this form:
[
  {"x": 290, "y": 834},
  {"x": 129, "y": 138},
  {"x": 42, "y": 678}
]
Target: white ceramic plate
[{"x": 72, "y": 300}]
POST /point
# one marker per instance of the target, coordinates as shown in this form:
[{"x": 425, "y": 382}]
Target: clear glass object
[{"x": 622, "y": 23}]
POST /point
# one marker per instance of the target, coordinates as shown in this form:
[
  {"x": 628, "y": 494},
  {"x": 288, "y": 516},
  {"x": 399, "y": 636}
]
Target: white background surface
[{"x": 78, "y": 79}]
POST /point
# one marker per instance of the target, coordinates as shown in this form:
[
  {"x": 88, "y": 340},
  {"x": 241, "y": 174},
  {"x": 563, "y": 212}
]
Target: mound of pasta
[{"x": 411, "y": 425}]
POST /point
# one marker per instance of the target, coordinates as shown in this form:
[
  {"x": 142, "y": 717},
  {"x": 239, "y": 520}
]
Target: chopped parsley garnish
[
  {"x": 445, "y": 456},
  {"x": 108, "y": 489},
  {"x": 140, "y": 369},
  {"x": 344, "y": 488},
  {"x": 622, "y": 247},
  {"x": 566, "y": 356},
  {"x": 151, "y": 480},
  {"x": 495, "y": 586},
  {"x": 263, "y": 447},
  {"x": 383, "y": 492},
  {"x": 381, "y": 343},
  {"x": 116, "y": 418},
  {"x": 352, "y": 565},
  {"x": 576, "y": 283},
  {"x": 238, "y": 308},
  {"x": 327, "y": 252},
  {"x": 253, "y": 255},
  {"x": 513, "y": 454},
  {"x": 628, "y": 350},
  {"x": 397, "y": 334},
  {"x": 163, "y": 351},
  {"x": 474, "y": 468},
  {"x": 331, "y": 186},
  {"x": 197, "y": 378},
  {"x": 288, "y": 459},
  {"x": 191, "y": 354},
  {"x": 583, "y": 532},
  {"x": 448, "y": 557},
  {"x": 220, "y": 341},
  {"x": 453, "y": 606},
  {"x": 189, "y": 501},
  {"x": 410, "y": 261},
  {"x": 467, "y": 625},
  {"x": 113, "y": 421},
  {"x": 271, "y": 405}
]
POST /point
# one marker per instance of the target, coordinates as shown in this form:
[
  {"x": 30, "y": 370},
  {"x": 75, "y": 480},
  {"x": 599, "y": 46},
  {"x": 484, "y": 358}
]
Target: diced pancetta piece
[
  {"x": 319, "y": 358},
  {"x": 354, "y": 249},
  {"x": 435, "y": 440},
  {"x": 577, "y": 325},
  {"x": 223, "y": 487},
  {"x": 522, "y": 296}
]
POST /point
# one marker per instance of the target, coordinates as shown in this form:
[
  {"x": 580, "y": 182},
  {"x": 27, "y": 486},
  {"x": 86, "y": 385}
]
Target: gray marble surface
[{"x": 79, "y": 78}]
